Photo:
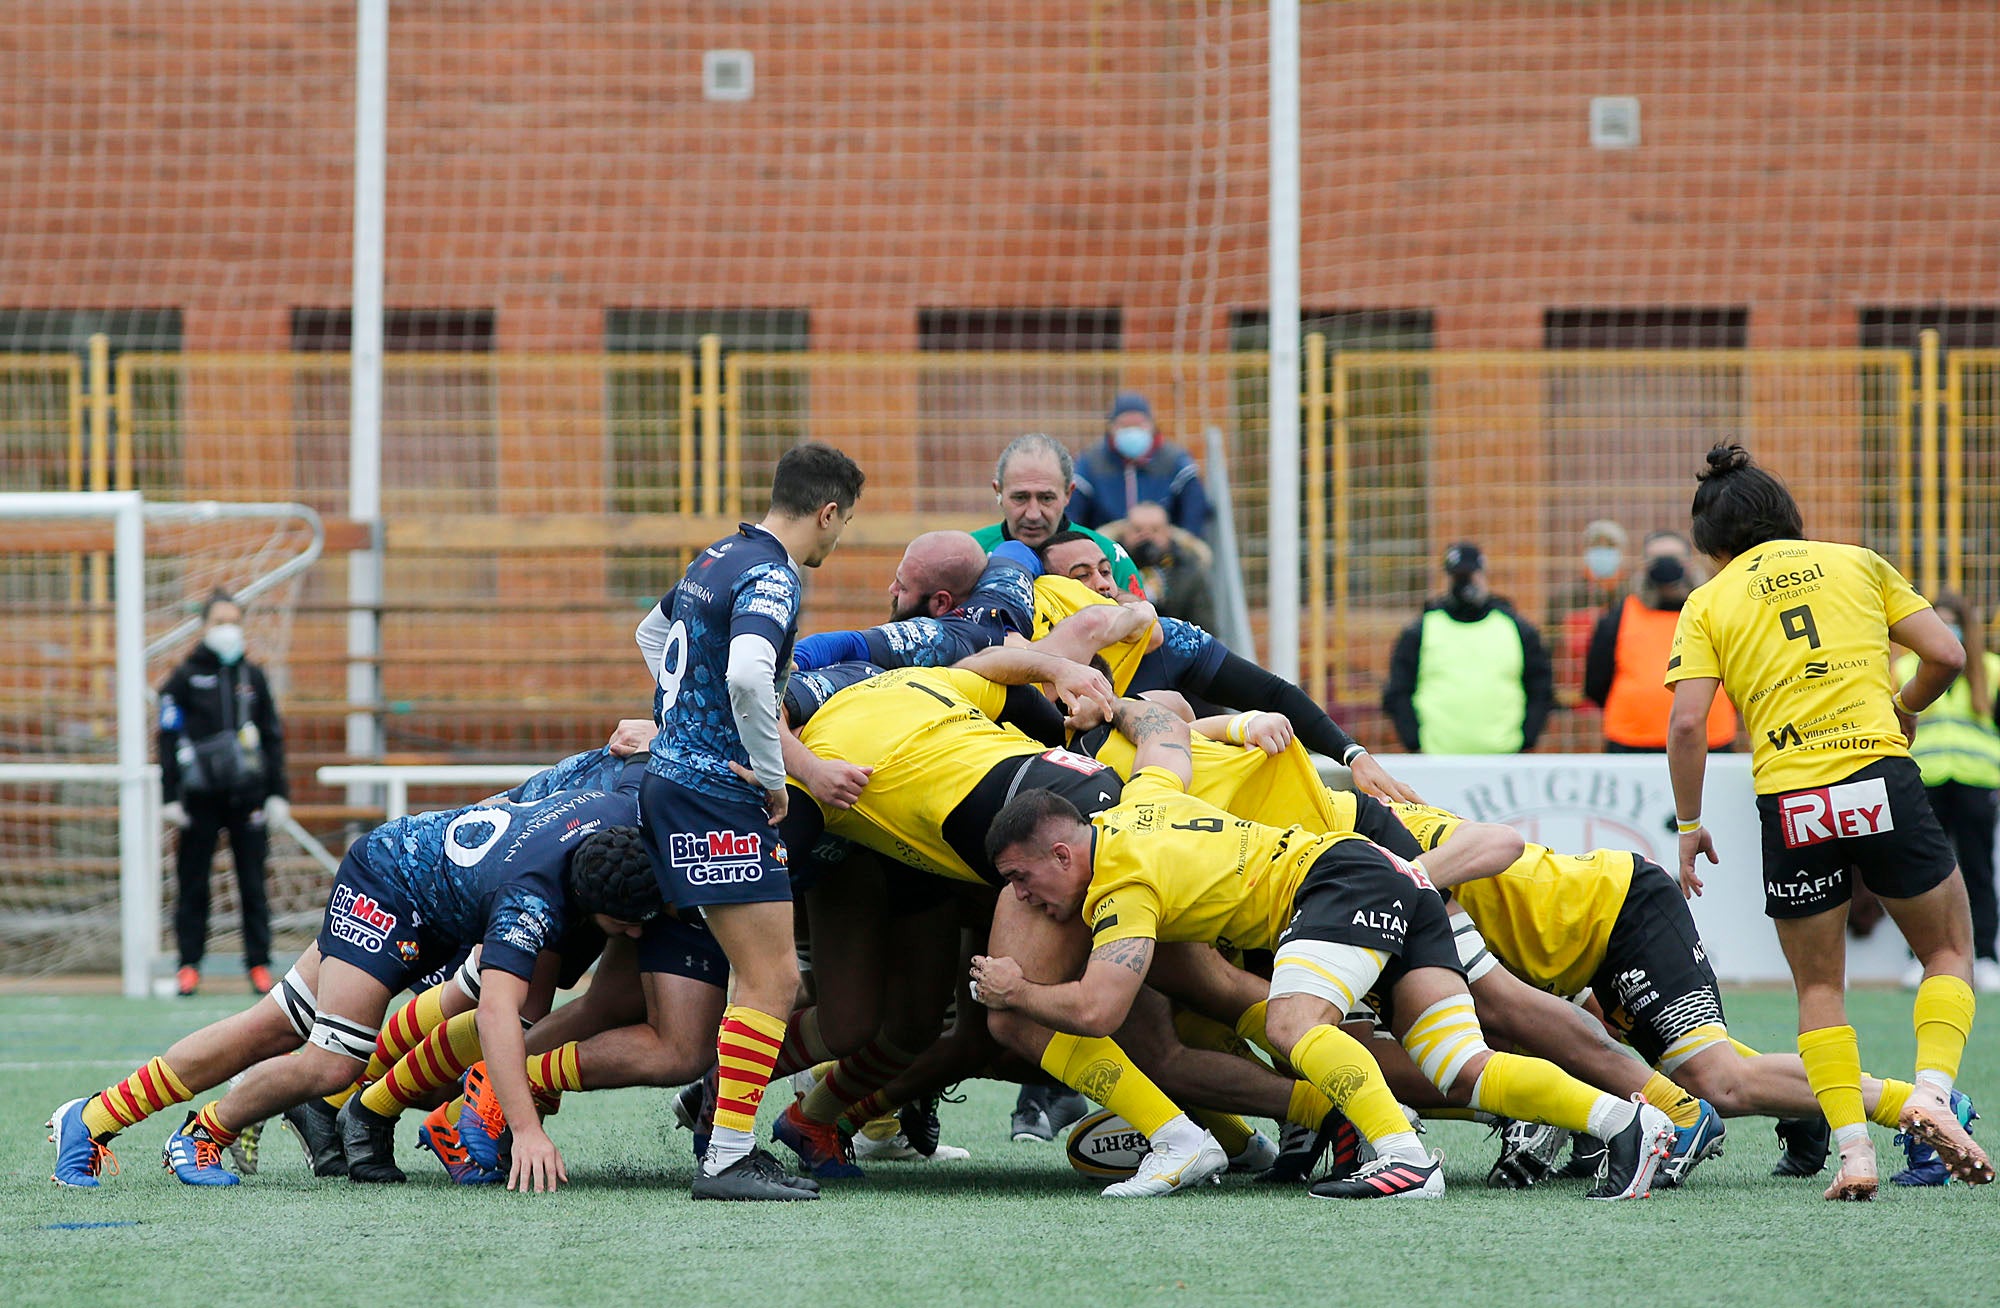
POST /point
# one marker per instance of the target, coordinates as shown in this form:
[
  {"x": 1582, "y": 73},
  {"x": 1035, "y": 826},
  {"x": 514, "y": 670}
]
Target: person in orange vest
[{"x": 1627, "y": 662}]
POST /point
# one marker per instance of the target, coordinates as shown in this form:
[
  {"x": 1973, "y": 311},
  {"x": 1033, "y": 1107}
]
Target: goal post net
[{"x": 104, "y": 593}]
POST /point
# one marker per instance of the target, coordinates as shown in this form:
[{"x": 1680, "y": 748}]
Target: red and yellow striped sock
[
  {"x": 863, "y": 1111},
  {"x": 555, "y": 1071},
  {"x": 439, "y": 1059},
  {"x": 207, "y": 1121},
  {"x": 854, "y": 1078},
  {"x": 804, "y": 1045},
  {"x": 404, "y": 1031},
  {"x": 746, "y": 1050},
  {"x": 133, "y": 1100}
]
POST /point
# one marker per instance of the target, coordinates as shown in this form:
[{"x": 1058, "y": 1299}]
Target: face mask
[
  {"x": 1601, "y": 561},
  {"x": 226, "y": 640},
  {"x": 1146, "y": 553},
  {"x": 1464, "y": 590},
  {"x": 1132, "y": 442}
]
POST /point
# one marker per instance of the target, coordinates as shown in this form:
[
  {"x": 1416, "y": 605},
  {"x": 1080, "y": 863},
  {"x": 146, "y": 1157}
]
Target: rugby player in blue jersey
[
  {"x": 715, "y": 785},
  {"x": 409, "y": 895}
]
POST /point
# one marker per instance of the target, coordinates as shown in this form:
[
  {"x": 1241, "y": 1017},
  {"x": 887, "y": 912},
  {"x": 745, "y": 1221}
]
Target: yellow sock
[
  {"x": 746, "y": 1050},
  {"x": 1251, "y": 1027},
  {"x": 1198, "y": 1032},
  {"x": 1309, "y": 1105},
  {"x": 1943, "y": 1017},
  {"x": 1097, "y": 1067},
  {"x": 133, "y": 1100},
  {"x": 1537, "y": 1091},
  {"x": 1229, "y": 1130},
  {"x": 557, "y": 1070},
  {"x": 1832, "y": 1056},
  {"x": 438, "y": 1060},
  {"x": 361, "y": 1083},
  {"x": 1347, "y": 1074},
  {"x": 1889, "y": 1108},
  {"x": 1676, "y": 1103}
]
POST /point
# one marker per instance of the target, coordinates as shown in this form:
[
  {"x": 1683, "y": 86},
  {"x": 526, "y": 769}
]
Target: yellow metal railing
[
  {"x": 1509, "y": 447},
  {"x": 1411, "y": 448}
]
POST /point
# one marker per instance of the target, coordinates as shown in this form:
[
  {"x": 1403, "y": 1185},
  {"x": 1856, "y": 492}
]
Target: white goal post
[{"x": 248, "y": 573}]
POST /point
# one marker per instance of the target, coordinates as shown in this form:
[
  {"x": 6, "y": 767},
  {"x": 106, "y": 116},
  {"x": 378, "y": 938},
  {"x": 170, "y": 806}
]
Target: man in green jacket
[
  {"x": 1469, "y": 676},
  {"x": 1033, "y": 480}
]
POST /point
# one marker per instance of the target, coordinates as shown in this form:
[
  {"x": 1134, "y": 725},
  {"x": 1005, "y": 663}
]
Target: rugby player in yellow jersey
[
  {"x": 938, "y": 767},
  {"x": 1346, "y": 919},
  {"x": 1797, "y": 633},
  {"x": 1613, "y": 922}
]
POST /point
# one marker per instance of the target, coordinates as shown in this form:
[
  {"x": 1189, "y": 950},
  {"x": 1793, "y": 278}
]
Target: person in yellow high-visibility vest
[{"x": 1957, "y": 747}]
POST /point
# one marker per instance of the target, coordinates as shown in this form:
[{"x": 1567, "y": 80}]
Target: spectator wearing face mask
[
  {"x": 1625, "y": 671},
  {"x": 1134, "y": 464},
  {"x": 1957, "y": 747},
  {"x": 1469, "y": 676},
  {"x": 1172, "y": 563},
  {"x": 1598, "y": 584},
  {"x": 222, "y": 768}
]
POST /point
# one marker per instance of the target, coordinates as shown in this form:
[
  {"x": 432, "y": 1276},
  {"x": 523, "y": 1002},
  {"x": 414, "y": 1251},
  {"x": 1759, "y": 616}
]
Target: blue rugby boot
[
  {"x": 79, "y": 1158},
  {"x": 194, "y": 1157},
  {"x": 1692, "y": 1145}
]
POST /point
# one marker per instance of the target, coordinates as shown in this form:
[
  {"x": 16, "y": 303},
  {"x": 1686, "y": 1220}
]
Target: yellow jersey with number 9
[{"x": 1797, "y": 631}]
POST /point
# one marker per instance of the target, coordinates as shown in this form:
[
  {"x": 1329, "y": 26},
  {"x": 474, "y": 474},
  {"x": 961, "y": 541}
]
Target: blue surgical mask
[
  {"x": 1601, "y": 561},
  {"x": 1132, "y": 442},
  {"x": 226, "y": 640}
]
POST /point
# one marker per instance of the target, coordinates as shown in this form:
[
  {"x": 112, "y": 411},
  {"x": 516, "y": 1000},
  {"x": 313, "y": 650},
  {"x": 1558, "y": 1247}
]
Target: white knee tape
[
  {"x": 467, "y": 976},
  {"x": 295, "y": 1001},
  {"x": 343, "y": 1037},
  {"x": 1339, "y": 974},
  {"x": 1473, "y": 955},
  {"x": 1444, "y": 1038}
]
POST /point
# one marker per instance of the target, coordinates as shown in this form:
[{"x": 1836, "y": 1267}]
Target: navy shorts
[
  {"x": 368, "y": 924},
  {"x": 711, "y": 851},
  {"x": 682, "y": 948}
]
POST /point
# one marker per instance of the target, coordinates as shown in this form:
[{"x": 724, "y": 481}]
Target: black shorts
[
  {"x": 1655, "y": 984},
  {"x": 1373, "y": 819},
  {"x": 1358, "y": 894},
  {"x": 811, "y": 850},
  {"x": 1091, "y": 786},
  {"x": 709, "y": 850},
  {"x": 683, "y": 948},
  {"x": 369, "y": 925},
  {"x": 1877, "y": 821}
]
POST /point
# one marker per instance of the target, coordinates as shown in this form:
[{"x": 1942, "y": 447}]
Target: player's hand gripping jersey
[
  {"x": 1797, "y": 632},
  {"x": 1187, "y": 657},
  {"x": 742, "y": 585}
]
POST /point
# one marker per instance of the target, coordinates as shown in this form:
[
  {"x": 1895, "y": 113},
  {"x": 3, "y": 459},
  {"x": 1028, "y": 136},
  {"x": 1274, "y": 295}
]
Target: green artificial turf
[{"x": 1012, "y": 1226}]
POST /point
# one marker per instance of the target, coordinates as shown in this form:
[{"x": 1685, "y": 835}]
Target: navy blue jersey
[
  {"x": 1186, "y": 659},
  {"x": 593, "y": 769},
  {"x": 806, "y": 692},
  {"x": 492, "y": 874},
  {"x": 742, "y": 585},
  {"x": 1003, "y": 601}
]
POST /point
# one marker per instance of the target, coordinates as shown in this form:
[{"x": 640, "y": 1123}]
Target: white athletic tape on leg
[
  {"x": 1444, "y": 1038},
  {"x": 343, "y": 1037},
  {"x": 1473, "y": 955},
  {"x": 1339, "y": 974},
  {"x": 295, "y": 1001}
]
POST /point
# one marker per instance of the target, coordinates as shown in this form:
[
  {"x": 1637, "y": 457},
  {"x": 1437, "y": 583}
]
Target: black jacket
[
  {"x": 195, "y": 704},
  {"x": 1537, "y": 674}
]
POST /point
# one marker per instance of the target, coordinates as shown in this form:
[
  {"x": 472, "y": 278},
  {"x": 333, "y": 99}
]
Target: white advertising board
[{"x": 1579, "y": 802}]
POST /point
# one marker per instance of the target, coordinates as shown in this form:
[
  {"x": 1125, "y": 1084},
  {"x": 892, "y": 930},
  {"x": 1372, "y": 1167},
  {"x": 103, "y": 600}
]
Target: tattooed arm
[
  {"x": 1161, "y": 737},
  {"x": 1095, "y": 1005}
]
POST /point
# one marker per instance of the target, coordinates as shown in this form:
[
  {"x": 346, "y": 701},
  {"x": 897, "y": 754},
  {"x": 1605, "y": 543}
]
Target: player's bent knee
[{"x": 339, "y": 1035}]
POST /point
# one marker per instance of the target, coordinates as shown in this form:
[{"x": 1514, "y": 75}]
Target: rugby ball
[{"x": 1106, "y": 1147}]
